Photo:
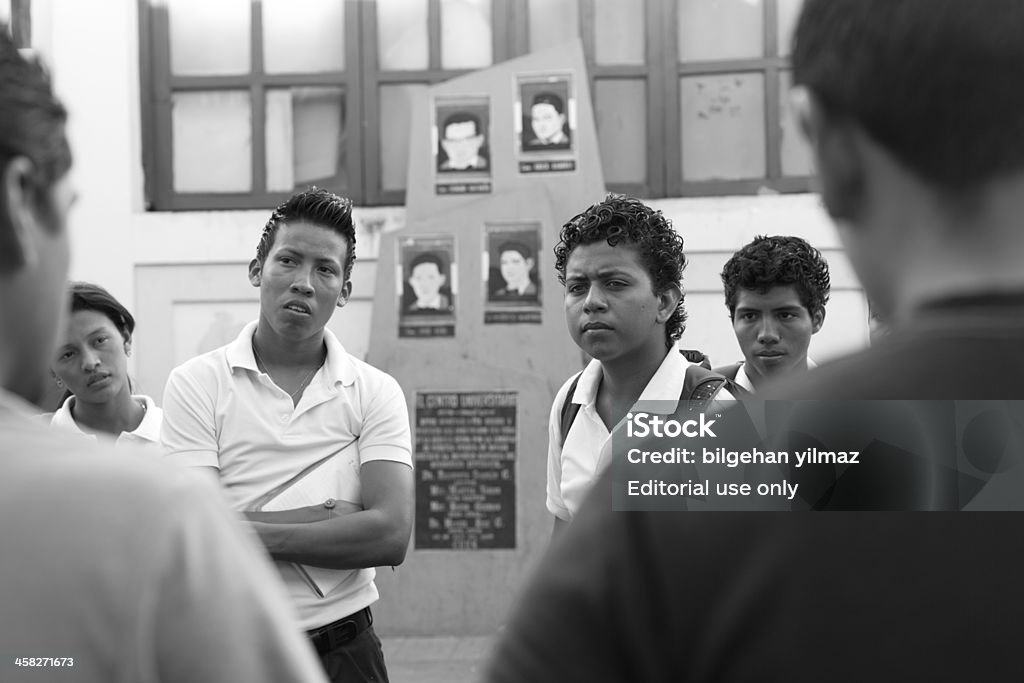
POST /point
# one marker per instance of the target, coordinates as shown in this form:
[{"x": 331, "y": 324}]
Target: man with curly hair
[
  {"x": 776, "y": 289},
  {"x": 622, "y": 266}
]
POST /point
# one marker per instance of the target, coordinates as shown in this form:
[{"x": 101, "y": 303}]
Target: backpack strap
[
  {"x": 699, "y": 387},
  {"x": 569, "y": 409},
  {"x": 698, "y": 357}
]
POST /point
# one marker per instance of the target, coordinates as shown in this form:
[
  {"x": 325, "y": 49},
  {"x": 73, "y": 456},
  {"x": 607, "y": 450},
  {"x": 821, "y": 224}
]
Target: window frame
[
  {"x": 770, "y": 64},
  {"x": 158, "y": 145},
  {"x": 363, "y": 77}
]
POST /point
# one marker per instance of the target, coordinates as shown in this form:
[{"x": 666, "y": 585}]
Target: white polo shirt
[
  {"x": 146, "y": 434},
  {"x": 221, "y": 411},
  {"x": 572, "y": 468},
  {"x": 743, "y": 379}
]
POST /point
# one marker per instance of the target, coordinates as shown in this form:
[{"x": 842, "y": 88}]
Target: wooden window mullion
[
  {"x": 258, "y": 103},
  {"x": 772, "y": 123}
]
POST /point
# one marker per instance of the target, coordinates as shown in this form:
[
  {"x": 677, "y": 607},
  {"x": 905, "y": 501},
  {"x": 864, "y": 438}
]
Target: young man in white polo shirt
[
  {"x": 284, "y": 402},
  {"x": 622, "y": 266},
  {"x": 776, "y": 289}
]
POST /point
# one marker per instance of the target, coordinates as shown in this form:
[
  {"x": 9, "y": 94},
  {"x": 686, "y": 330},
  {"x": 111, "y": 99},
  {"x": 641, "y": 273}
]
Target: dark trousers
[{"x": 357, "y": 661}]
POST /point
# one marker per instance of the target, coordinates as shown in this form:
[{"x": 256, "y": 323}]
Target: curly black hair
[
  {"x": 775, "y": 261},
  {"x": 620, "y": 219}
]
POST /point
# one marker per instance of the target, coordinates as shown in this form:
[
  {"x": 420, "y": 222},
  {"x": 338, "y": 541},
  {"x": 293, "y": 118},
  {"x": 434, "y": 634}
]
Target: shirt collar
[
  {"x": 337, "y": 368},
  {"x": 743, "y": 380},
  {"x": 665, "y": 385},
  {"x": 148, "y": 429}
]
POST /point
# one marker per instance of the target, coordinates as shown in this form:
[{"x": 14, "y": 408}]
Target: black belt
[{"x": 337, "y": 633}]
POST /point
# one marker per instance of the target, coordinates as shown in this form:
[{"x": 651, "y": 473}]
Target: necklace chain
[{"x": 302, "y": 384}]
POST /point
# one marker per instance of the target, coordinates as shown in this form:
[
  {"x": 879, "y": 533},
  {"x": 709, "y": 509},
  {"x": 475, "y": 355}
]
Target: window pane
[
  {"x": 212, "y": 141},
  {"x": 304, "y": 135},
  {"x": 402, "y": 34},
  {"x": 720, "y": 29},
  {"x": 466, "y": 41},
  {"x": 209, "y": 38},
  {"x": 619, "y": 32},
  {"x": 620, "y": 113},
  {"x": 552, "y": 22},
  {"x": 303, "y": 36},
  {"x": 723, "y": 126},
  {"x": 789, "y": 12},
  {"x": 795, "y": 152},
  {"x": 395, "y": 106}
]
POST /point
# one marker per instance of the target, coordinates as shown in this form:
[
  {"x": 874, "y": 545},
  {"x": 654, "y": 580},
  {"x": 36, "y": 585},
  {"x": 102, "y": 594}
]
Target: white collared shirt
[
  {"x": 146, "y": 434},
  {"x": 221, "y": 411},
  {"x": 572, "y": 468},
  {"x": 743, "y": 380}
]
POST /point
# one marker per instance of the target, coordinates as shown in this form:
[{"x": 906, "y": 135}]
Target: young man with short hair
[
  {"x": 285, "y": 402},
  {"x": 462, "y": 141},
  {"x": 427, "y": 279},
  {"x": 547, "y": 122},
  {"x": 776, "y": 289},
  {"x": 516, "y": 262},
  {"x": 622, "y": 266},
  {"x": 115, "y": 568}
]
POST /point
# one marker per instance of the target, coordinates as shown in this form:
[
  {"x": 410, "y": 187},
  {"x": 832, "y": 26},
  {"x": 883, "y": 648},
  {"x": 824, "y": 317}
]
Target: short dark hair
[
  {"x": 427, "y": 257},
  {"x": 86, "y": 296},
  {"x": 624, "y": 220},
  {"x": 517, "y": 247},
  {"x": 31, "y": 124},
  {"x": 778, "y": 261},
  {"x": 319, "y": 207},
  {"x": 936, "y": 82},
  {"x": 460, "y": 117},
  {"x": 549, "y": 98}
]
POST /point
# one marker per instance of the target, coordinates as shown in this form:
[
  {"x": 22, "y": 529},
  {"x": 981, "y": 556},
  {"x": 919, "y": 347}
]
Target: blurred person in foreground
[
  {"x": 114, "y": 568},
  {"x": 924, "y": 176}
]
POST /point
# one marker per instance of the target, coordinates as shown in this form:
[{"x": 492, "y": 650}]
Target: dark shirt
[{"x": 838, "y": 596}]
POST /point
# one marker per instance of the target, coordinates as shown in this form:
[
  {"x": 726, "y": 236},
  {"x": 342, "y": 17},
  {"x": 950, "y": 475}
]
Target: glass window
[
  {"x": 395, "y": 110},
  {"x": 795, "y": 152},
  {"x": 789, "y": 11},
  {"x": 304, "y": 136},
  {"x": 303, "y": 36},
  {"x": 619, "y": 35},
  {"x": 552, "y": 22},
  {"x": 209, "y": 38},
  {"x": 466, "y": 41},
  {"x": 402, "y": 29},
  {"x": 723, "y": 122},
  {"x": 212, "y": 141},
  {"x": 621, "y": 119},
  {"x": 720, "y": 29}
]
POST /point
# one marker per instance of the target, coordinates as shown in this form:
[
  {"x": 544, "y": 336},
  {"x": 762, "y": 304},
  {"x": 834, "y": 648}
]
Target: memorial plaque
[{"x": 465, "y": 451}]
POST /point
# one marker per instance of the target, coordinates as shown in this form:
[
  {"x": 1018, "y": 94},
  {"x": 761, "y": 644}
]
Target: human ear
[
  {"x": 834, "y": 141},
  {"x": 17, "y": 196},
  {"x": 668, "y": 302},
  {"x": 255, "y": 272},
  {"x": 817, "y": 320},
  {"x": 346, "y": 292}
]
